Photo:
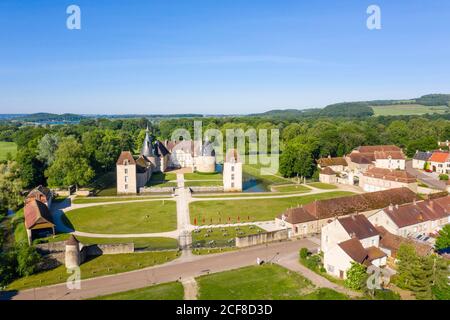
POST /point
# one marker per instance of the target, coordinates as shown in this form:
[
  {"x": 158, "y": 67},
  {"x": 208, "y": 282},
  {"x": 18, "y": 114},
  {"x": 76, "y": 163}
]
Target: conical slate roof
[
  {"x": 72, "y": 241},
  {"x": 147, "y": 146}
]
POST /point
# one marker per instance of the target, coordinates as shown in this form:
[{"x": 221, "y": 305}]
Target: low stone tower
[{"x": 72, "y": 259}]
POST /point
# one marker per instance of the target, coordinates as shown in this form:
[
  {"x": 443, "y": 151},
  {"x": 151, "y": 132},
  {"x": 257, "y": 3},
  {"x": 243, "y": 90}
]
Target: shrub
[
  {"x": 443, "y": 177},
  {"x": 303, "y": 253},
  {"x": 386, "y": 295}
]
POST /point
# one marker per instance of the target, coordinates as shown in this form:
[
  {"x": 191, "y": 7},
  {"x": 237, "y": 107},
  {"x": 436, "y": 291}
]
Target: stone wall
[
  {"x": 207, "y": 189},
  {"x": 156, "y": 189},
  {"x": 261, "y": 238},
  {"x": 99, "y": 249}
]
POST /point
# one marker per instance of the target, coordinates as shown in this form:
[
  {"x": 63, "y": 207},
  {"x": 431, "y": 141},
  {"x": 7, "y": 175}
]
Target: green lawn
[
  {"x": 266, "y": 282},
  {"x": 139, "y": 243},
  {"x": 99, "y": 266},
  {"x": 105, "y": 185},
  {"x": 252, "y": 209},
  {"x": 7, "y": 147},
  {"x": 203, "y": 176},
  {"x": 164, "y": 291},
  {"x": 83, "y": 200},
  {"x": 20, "y": 232},
  {"x": 325, "y": 186},
  {"x": 407, "y": 109},
  {"x": 204, "y": 183},
  {"x": 137, "y": 217},
  {"x": 222, "y": 236},
  {"x": 161, "y": 179},
  {"x": 292, "y": 188}
]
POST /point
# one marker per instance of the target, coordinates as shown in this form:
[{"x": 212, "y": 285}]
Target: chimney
[
  {"x": 391, "y": 207},
  {"x": 329, "y": 156},
  {"x": 396, "y": 206},
  {"x": 414, "y": 201}
]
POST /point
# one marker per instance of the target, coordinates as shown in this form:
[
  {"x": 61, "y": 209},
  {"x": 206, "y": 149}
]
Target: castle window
[
  {"x": 232, "y": 168},
  {"x": 126, "y": 187},
  {"x": 232, "y": 177},
  {"x": 125, "y": 162},
  {"x": 126, "y": 171},
  {"x": 126, "y": 178},
  {"x": 232, "y": 184}
]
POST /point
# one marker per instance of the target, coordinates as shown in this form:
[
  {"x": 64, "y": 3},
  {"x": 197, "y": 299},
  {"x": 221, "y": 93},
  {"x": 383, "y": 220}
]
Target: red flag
[
  {"x": 195, "y": 221},
  {"x": 238, "y": 218}
]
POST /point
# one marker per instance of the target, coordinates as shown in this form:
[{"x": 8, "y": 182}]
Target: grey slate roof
[{"x": 420, "y": 155}]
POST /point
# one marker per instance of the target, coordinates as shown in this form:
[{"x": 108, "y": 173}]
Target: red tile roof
[
  {"x": 358, "y": 226},
  {"x": 337, "y": 161},
  {"x": 371, "y": 149},
  {"x": 392, "y": 175},
  {"x": 125, "y": 155},
  {"x": 329, "y": 208},
  {"x": 361, "y": 158},
  {"x": 439, "y": 157},
  {"x": 396, "y": 155},
  {"x": 415, "y": 213},
  {"x": 393, "y": 242},
  {"x": 36, "y": 212},
  {"x": 327, "y": 171},
  {"x": 354, "y": 249}
]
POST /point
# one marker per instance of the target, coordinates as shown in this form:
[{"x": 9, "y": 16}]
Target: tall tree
[
  {"x": 71, "y": 166},
  {"x": 10, "y": 186},
  {"x": 443, "y": 240},
  {"x": 296, "y": 159},
  {"x": 47, "y": 147}
]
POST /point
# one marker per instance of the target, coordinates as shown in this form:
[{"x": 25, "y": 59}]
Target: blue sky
[{"x": 217, "y": 56}]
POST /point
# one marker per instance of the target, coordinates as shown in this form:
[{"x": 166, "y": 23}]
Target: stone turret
[
  {"x": 232, "y": 171},
  {"x": 73, "y": 258}
]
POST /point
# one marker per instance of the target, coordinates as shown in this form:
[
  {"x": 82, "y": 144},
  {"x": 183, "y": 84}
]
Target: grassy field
[
  {"x": 20, "y": 233},
  {"x": 324, "y": 186},
  {"x": 252, "y": 209},
  {"x": 407, "y": 109},
  {"x": 84, "y": 200},
  {"x": 164, "y": 291},
  {"x": 138, "y": 217},
  {"x": 267, "y": 282},
  {"x": 7, "y": 147},
  {"x": 221, "y": 236},
  {"x": 292, "y": 188},
  {"x": 203, "y": 176},
  {"x": 105, "y": 185},
  {"x": 139, "y": 243},
  {"x": 160, "y": 179},
  {"x": 99, "y": 266}
]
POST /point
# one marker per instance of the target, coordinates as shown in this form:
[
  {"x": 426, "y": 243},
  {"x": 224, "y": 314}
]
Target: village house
[
  {"x": 440, "y": 162},
  {"x": 338, "y": 259},
  {"x": 309, "y": 219},
  {"x": 350, "y": 168},
  {"x": 420, "y": 159},
  {"x": 337, "y": 164},
  {"x": 346, "y": 228},
  {"x": 419, "y": 217},
  {"x": 390, "y": 243},
  {"x": 376, "y": 179}
]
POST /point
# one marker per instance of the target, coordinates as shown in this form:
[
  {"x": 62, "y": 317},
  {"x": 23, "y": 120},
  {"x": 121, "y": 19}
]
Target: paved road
[
  {"x": 291, "y": 262},
  {"x": 424, "y": 177},
  {"x": 182, "y": 268}
]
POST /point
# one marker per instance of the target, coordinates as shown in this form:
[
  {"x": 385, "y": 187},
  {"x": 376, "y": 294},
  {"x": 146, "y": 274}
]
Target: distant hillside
[
  {"x": 432, "y": 103},
  {"x": 49, "y": 117},
  {"x": 348, "y": 109}
]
